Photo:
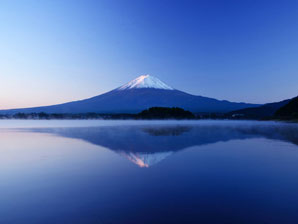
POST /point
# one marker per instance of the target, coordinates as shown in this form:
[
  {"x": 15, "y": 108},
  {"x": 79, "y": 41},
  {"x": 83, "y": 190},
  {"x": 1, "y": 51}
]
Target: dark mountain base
[{"x": 288, "y": 111}]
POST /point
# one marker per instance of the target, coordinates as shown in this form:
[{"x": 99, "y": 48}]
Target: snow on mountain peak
[{"x": 145, "y": 81}]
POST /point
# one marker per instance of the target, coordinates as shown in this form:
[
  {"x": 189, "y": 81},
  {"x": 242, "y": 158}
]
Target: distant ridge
[
  {"x": 260, "y": 112},
  {"x": 139, "y": 94}
]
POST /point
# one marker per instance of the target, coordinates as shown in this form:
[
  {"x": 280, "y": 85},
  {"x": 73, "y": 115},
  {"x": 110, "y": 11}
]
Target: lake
[{"x": 140, "y": 172}]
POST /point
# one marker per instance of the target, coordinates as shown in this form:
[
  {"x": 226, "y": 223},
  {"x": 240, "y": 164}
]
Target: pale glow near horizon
[{"x": 59, "y": 51}]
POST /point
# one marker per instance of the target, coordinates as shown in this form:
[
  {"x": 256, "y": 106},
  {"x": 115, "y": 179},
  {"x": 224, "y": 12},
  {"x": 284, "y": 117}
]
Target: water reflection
[{"x": 146, "y": 145}]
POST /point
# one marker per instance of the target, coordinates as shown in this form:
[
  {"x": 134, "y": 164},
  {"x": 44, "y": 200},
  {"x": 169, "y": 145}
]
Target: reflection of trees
[
  {"x": 167, "y": 131},
  {"x": 288, "y": 133}
]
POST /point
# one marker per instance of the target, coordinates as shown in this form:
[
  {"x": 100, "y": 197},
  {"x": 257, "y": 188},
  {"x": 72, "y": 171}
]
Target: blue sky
[{"x": 57, "y": 51}]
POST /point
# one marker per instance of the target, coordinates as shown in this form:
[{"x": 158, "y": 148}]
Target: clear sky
[{"x": 57, "y": 51}]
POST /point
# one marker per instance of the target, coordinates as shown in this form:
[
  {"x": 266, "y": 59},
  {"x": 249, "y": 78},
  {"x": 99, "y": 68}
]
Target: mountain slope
[
  {"x": 137, "y": 95},
  {"x": 264, "y": 111},
  {"x": 289, "y": 111}
]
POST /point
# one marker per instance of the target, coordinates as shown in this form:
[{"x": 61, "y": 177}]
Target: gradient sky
[{"x": 57, "y": 51}]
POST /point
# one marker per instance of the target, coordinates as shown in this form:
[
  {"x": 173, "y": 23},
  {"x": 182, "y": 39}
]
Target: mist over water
[{"x": 148, "y": 172}]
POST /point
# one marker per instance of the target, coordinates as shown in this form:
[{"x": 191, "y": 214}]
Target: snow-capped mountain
[
  {"x": 145, "y": 81},
  {"x": 139, "y": 94}
]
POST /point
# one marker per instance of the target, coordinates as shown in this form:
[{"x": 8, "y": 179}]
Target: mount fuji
[{"x": 139, "y": 94}]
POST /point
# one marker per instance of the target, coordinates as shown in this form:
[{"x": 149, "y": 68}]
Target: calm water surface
[{"x": 140, "y": 172}]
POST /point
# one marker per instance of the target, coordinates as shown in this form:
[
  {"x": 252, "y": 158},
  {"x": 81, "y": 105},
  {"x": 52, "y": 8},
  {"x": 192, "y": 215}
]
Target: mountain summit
[
  {"x": 139, "y": 94},
  {"x": 145, "y": 81}
]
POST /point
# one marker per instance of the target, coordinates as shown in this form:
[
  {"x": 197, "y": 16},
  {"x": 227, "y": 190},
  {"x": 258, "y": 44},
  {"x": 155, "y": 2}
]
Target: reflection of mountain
[
  {"x": 145, "y": 159},
  {"x": 148, "y": 145}
]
